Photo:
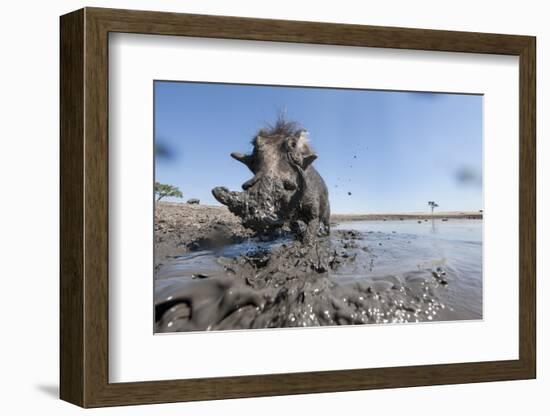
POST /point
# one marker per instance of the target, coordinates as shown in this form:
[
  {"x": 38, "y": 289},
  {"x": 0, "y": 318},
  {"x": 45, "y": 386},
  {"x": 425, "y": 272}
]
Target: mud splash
[{"x": 290, "y": 284}]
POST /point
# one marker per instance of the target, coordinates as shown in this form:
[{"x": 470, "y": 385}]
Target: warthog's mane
[{"x": 280, "y": 129}]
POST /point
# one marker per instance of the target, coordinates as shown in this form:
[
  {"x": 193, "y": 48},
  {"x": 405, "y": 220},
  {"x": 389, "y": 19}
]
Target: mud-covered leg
[{"x": 311, "y": 232}]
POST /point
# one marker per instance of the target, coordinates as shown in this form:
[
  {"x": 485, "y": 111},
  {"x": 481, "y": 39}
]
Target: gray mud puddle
[{"x": 365, "y": 272}]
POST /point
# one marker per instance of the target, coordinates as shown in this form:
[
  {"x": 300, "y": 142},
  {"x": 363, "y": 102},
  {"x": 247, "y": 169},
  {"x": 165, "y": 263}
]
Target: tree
[
  {"x": 432, "y": 205},
  {"x": 162, "y": 190}
]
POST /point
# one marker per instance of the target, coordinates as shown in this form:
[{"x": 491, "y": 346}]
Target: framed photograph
[{"x": 255, "y": 207}]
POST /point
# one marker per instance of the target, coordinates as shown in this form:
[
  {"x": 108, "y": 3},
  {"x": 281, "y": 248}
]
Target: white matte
[{"x": 135, "y": 354}]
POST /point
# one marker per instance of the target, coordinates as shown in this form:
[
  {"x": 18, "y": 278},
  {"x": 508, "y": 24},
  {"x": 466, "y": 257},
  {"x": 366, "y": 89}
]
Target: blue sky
[{"x": 393, "y": 151}]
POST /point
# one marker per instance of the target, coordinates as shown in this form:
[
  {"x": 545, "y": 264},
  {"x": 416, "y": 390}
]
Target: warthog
[{"x": 286, "y": 192}]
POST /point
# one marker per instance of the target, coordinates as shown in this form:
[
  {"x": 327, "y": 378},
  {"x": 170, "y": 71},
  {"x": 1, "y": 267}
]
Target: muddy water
[{"x": 365, "y": 272}]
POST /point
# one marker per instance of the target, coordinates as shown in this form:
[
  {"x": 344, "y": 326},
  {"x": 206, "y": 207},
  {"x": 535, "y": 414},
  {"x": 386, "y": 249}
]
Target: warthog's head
[{"x": 270, "y": 198}]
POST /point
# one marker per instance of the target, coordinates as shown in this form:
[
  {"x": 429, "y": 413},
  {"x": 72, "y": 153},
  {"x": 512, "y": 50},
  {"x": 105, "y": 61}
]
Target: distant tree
[
  {"x": 432, "y": 205},
  {"x": 162, "y": 190}
]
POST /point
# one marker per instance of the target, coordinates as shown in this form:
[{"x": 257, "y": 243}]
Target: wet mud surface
[
  {"x": 183, "y": 228},
  {"x": 363, "y": 273}
]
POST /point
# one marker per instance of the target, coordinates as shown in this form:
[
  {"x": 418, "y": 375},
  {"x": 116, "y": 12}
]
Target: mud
[
  {"x": 183, "y": 228},
  {"x": 288, "y": 283}
]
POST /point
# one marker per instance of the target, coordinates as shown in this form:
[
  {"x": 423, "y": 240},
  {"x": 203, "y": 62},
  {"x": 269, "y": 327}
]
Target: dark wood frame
[{"x": 84, "y": 207}]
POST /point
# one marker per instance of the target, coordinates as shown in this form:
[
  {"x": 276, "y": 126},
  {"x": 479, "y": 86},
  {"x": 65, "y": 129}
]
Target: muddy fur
[{"x": 286, "y": 193}]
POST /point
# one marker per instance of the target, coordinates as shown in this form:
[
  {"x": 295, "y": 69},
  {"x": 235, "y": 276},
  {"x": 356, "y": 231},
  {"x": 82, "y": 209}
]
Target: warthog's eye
[{"x": 289, "y": 185}]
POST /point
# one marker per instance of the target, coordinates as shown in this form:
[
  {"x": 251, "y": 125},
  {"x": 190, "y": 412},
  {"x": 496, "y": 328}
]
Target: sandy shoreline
[{"x": 472, "y": 215}]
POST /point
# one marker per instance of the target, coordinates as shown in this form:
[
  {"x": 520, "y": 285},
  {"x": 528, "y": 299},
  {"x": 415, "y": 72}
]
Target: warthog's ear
[
  {"x": 246, "y": 159},
  {"x": 259, "y": 139},
  {"x": 301, "y": 150}
]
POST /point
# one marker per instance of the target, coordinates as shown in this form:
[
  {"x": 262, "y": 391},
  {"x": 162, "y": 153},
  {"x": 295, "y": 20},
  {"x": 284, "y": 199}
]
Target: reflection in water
[{"x": 366, "y": 272}]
